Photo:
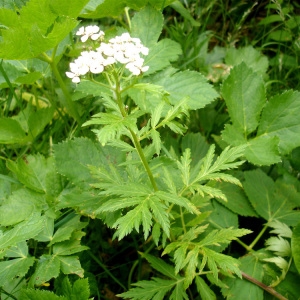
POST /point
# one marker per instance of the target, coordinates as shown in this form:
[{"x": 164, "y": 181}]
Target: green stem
[
  {"x": 244, "y": 245},
  {"x": 258, "y": 237},
  {"x": 68, "y": 103},
  {"x": 135, "y": 139},
  {"x": 95, "y": 258}
]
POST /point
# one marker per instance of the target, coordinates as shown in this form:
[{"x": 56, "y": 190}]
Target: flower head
[
  {"x": 121, "y": 49},
  {"x": 91, "y": 31}
]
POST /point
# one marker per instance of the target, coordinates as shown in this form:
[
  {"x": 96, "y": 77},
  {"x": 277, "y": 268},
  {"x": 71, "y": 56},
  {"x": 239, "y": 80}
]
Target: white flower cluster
[{"x": 122, "y": 49}]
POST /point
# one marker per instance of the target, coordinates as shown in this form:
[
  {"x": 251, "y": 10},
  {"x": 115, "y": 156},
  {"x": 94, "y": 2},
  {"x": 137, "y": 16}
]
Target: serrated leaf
[
  {"x": 32, "y": 171},
  {"x": 71, "y": 265},
  {"x": 280, "y": 118},
  {"x": 20, "y": 250},
  {"x": 188, "y": 84},
  {"x": 47, "y": 267},
  {"x": 280, "y": 229},
  {"x": 279, "y": 262},
  {"x": 161, "y": 55},
  {"x": 244, "y": 94},
  {"x": 271, "y": 201},
  {"x": 15, "y": 267}
]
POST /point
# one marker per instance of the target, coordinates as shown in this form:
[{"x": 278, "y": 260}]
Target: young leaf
[
  {"x": 279, "y": 246},
  {"x": 280, "y": 229}
]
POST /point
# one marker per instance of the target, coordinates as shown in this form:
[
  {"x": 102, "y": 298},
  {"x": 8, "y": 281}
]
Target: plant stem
[
  {"x": 106, "y": 270},
  {"x": 68, "y": 103},
  {"x": 258, "y": 237},
  {"x": 268, "y": 289},
  {"x": 135, "y": 139}
]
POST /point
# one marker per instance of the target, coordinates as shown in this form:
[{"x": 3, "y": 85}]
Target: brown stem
[{"x": 263, "y": 286}]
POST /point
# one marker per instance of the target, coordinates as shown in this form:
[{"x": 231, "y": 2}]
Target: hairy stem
[{"x": 268, "y": 289}]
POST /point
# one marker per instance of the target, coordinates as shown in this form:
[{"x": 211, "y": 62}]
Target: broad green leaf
[
  {"x": 11, "y": 132},
  {"x": 70, "y": 265},
  {"x": 88, "y": 87},
  {"x": 23, "y": 231},
  {"x": 147, "y": 25},
  {"x": 295, "y": 244},
  {"x": 243, "y": 289},
  {"x": 47, "y": 267},
  {"x": 188, "y": 84},
  {"x": 244, "y": 94},
  {"x": 15, "y": 267},
  {"x": 161, "y": 54},
  {"x": 280, "y": 118},
  {"x": 103, "y": 8},
  {"x": 250, "y": 56},
  {"x": 271, "y": 201},
  {"x": 46, "y": 234},
  {"x": 204, "y": 290},
  {"x": 31, "y": 294}
]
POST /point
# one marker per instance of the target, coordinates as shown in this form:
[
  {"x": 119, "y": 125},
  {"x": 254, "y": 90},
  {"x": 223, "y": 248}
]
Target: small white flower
[{"x": 91, "y": 31}]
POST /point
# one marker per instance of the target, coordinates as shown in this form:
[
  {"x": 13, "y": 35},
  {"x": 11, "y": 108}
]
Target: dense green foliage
[{"x": 178, "y": 183}]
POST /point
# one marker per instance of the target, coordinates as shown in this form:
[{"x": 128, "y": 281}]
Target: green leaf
[
  {"x": 15, "y": 267},
  {"x": 71, "y": 265},
  {"x": 65, "y": 231},
  {"x": 280, "y": 229},
  {"x": 47, "y": 267},
  {"x": 244, "y": 94},
  {"x": 188, "y": 84},
  {"x": 280, "y": 118},
  {"x": 271, "y": 201},
  {"x": 20, "y": 250},
  {"x": 103, "y": 8},
  {"x": 161, "y": 266},
  {"x": 295, "y": 245},
  {"x": 279, "y": 246},
  {"x": 71, "y": 246},
  {"x": 31, "y": 294},
  {"x": 204, "y": 290},
  {"x": 243, "y": 289},
  {"x": 161, "y": 54},
  {"x": 88, "y": 87},
  {"x": 23, "y": 231},
  {"x": 11, "y": 132},
  {"x": 147, "y": 25}
]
